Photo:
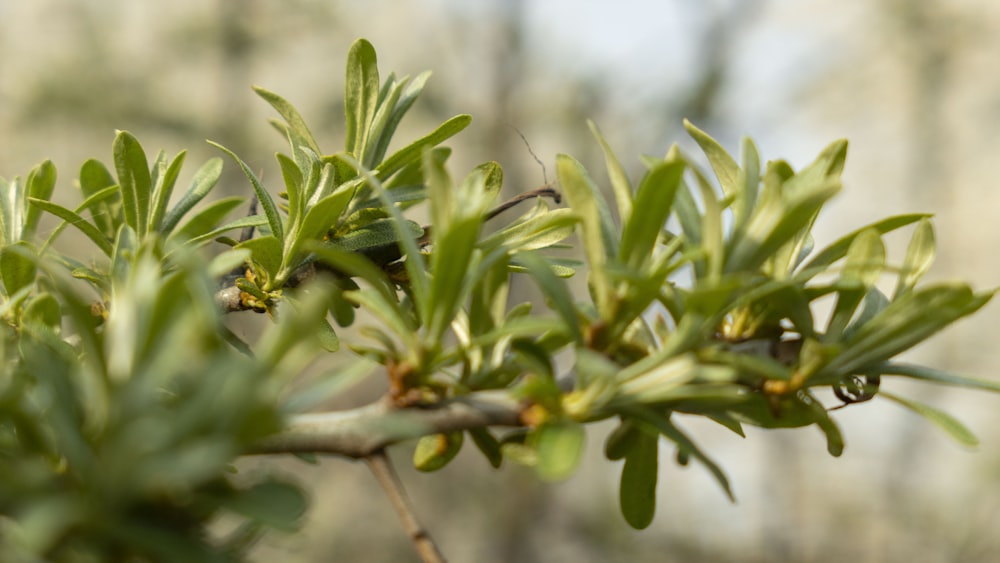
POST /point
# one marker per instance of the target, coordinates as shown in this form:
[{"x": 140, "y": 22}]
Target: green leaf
[
  {"x": 265, "y": 199},
  {"x": 45, "y": 310},
  {"x": 672, "y": 433},
  {"x": 862, "y": 268},
  {"x": 134, "y": 179},
  {"x": 616, "y": 174},
  {"x": 40, "y": 185},
  {"x": 451, "y": 262},
  {"x": 711, "y": 227},
  {"x": 556, "y": 291},
  {"x": 623, "y": 439},
  {"x": 834, "y": 439},
  {"x": 203, "y": 224},
  {"x": 412, "y": 152},
  {"x": 94, "y": 177},
  {"x": 827, "y": 166},
  {"x": 599, "y": 238},
  {"x": 93, "y": 201},
  {"x": 414, "y": 263},
  {"x": 320, "y": 218},
  {"x": 865, "y": 259},
  {"x": 435, "y": 451},
  {"x": 777, "y": 223},
  {"x": 725, "y": 167},
  {"x": 17, "y": 267},
  {"x": 354, "y": 265},
  {"x": 389, "y": 312},
  {"x": 689, "y": 217},
  {"x": 488, "y": 445},
  {"x": 341, "y": 309},
  {"x": 328, "y": 339},
  {"x": 9, "y": 226},
  {"x": 560, "y": 448},
  {"x": 77, "y": 221},
  {"x": 838, "y": 249},
  {"x": 919, "y": 257},
  {"x": 294, "y": 186},
  {"x": 958, "y": 431},
  {"x": 204, "y": 180},
  {"x": 637, "y": 489},
  {"x": 361, "y": 91},
  {"x": 746, "y": 198},
  {"x": 324, "y": 214},
  {"x": 215, "y": 234},
  {"x": 931, "y": 375},
  {"x": 912, "y": 318},
  {"x": 457, "y": 216},
  {"x": 653, "y": 203},
  {"x": 872, "y": 304},
  {"x": 388, "y": 97},
  {"x": 301, "y": 136},
  {"x": 410, "y": 94},
  {"x": 332, "y": 383},
  {"x": 788, "y": 411},
  {"x": 538, "y": 231},
  {"x": 164, "y": 187},
  {"x": 273, "y": 503},
  {"x": 377, "y": 234},
  {"x": 265, "y": 252}
]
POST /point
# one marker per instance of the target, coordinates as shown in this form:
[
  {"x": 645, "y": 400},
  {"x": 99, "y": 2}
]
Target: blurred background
[{"x": 914, "y": 86}]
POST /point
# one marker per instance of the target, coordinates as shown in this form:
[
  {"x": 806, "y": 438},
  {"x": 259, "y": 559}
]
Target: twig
[
  {"x": 545, "y": 174},
  {"x": 360, "y": 432},
  {"x": 382, "y": 468},
  {"x": 544, "y": 191}
]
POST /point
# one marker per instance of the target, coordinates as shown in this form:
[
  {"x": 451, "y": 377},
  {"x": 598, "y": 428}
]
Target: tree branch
[
  {"x": 386, "y": 475},
  {"x": 361, "y": 432}
]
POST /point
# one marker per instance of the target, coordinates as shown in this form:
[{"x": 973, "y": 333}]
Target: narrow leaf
[
  {"x": 361, "y": 91},
  {"x": 931, "y": 375},
  {"x": 919, "y": 257},
  {"x": 17, "y": 267},
  {"x": 265, "y": 199},
  {"x": 40, "y": 185},
  {"x": 488, "y": 445},
  {"x": 958, "y": 431},
  {"x": 410, "y": 94},
  {"x": 276, "y": 504},
  {"x": 435, "y": 451},
  {"x": 266, "y": 252},
  {"x": 297, "y": 126},
  {"x": 653, "y": 203},
  {"x": 637, "y": 489},
  {"x": 725, "y": 167},
  {"x": 616, "y": 174},
  {"x": 622, "y": 440},
  {"x": 94, "y": 177},
  {"x": 206, "y": 220},
  {"x": 163, "y": 189},
  {"x": 672, "y": 433},
  {"x": 838, "y": 249},
  {"x": 134, "y": 179},
  {"x": 414, "y": 263},
  {"x": 412, "y": 152},
  {"x": 77, "y": 221},
  {"x": 598, "y": 235},
  {"x": 555, "y": 291},
  {"x": 204, "y": 180},
  {"x": 560, "y": 448}
]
